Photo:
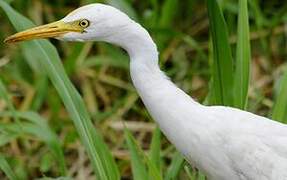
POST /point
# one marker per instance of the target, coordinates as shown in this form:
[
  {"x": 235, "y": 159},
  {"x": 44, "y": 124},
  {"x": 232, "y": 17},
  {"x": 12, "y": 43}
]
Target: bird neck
[
  {"x": 145, "y": 71},
  {"x": 177, "y": 114},
  {"x": 169, "y": 106},
  {"x": 137, "y": 42},
  {"x": 151, "y": 83},
  {"x": 144, "y": 68}
]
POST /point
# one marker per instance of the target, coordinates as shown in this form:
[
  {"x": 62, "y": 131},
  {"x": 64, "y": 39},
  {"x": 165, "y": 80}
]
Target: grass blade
[
  {"x": 101, "y": 158},
  {"x": 260, "y": 20},
  {"x": 38, "y": 127},
  {"x": 154, "y": 173},
  {"x": 31, "y": 58},
  {"x": 155, "y": 149},
  {"x": 175, "y": 167},
  {"x": 5, "y": 96},
  {"x": 243, "y": 57},
  {"x": 5, "y": 167},
  {"x": 6, "y": 137},
  {"x": 138, "y": 166},
  {"x": 201, "y": 176},
  {"x": 41, "y": 85},
  {"x": 140, "y": 161},
  {"x": 280, "y": 107},
  {"x": 70, "y": 62},
  {"x": 222, "y": 57},
  {"x": 168, "y": 13}
]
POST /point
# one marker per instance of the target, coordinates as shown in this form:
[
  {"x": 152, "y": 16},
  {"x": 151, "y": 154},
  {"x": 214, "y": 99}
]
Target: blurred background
[{"x": 100, "y": 72}]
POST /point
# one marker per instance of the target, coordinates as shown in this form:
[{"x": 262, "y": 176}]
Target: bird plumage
[{"x": 225, "y": 143}]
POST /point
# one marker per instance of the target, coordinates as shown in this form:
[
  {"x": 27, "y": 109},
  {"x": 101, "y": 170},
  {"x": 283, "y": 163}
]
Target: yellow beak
[{"x": 52, "y": 30}]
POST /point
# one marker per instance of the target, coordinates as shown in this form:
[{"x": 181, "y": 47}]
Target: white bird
[{"x": 225, "y": 143}]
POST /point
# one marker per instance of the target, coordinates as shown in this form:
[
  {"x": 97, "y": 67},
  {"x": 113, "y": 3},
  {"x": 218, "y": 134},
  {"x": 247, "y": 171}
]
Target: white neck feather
[
  {"x": 136, "y": 41},
  {"x": 154, "y": 88}
]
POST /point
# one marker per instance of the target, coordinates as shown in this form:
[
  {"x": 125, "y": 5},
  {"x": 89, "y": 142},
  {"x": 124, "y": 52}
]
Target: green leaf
[
  {"x": 165, "y": 22},
  {"x": 41, "y": 84},
  {"x": 138, "y": 166},
  {"x": 101, "y": 158},
  {"x": 260, "y": 21},
  {"x": 175, "y": 167},
  {"x": 38, "y": 127},
  {"x": 201, "y": 176},
  {"x": 242, "y": 75},
  {"x": 32, "y": 58},
  {"x": 153, "y": 170},
  {"x": 46, "y": 162},
  {"x": 5, "y": 167},
  {"x": 5, "y": 96},
  {"x": 70, "y": 63},
  {"x": 190, "y": 173},
  {"x": 155, "y": 148},
  {"x": 222, "y": 58},
  {"x": 168, "y": 13},
  {"x": 6, "y": 137},
  {"x": 280, "y": 106},
  {"x": 140, "y": 161}
]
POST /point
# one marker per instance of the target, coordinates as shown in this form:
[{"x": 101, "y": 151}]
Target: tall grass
[
  {"x": 6, "y": 168},
  {"x": 222, "y": 76},
  {"x": 103, "y": 163},
  {"x": 36, "y": 126},
  {"x": 243, "y": 57},
  {"x": 280, "y": 107},
  {"x": 178, "y": 29}
]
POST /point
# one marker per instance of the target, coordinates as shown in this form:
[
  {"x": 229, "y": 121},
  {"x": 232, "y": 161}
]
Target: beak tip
[
  {"x": 8, "y": 40},
  {"x": 52, "y": 30}
]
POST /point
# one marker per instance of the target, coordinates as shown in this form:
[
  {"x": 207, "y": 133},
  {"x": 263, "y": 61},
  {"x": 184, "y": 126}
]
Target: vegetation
[{"x": 69, "y": 110}]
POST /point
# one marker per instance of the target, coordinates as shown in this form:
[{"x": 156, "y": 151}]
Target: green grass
[
  {"x": 101, "y": 158},
  {"x": 222, "y": 72},
  {"x": 243, "y": 58},
  {"x": 6, "y": 168},
  {"x": 280, "y": 107},
  {"x": 56, "y": 100}
]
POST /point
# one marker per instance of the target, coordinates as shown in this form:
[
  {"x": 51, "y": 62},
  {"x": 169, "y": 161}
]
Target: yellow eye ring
[{"x": 84, "y": 23}]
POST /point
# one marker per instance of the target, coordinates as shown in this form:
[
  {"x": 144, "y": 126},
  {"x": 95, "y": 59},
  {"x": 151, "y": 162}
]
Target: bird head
[{"x": 94, "y": 22}]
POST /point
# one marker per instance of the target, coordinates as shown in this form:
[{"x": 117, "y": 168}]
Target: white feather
[{"x": 225, "y": 143}]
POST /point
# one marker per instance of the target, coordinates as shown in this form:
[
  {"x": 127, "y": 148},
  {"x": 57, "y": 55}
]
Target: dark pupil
[{"x": 84, "y": 24}]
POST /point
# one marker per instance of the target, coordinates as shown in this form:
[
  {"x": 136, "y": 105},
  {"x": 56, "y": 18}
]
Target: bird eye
[{"x": 84, "y": 23}]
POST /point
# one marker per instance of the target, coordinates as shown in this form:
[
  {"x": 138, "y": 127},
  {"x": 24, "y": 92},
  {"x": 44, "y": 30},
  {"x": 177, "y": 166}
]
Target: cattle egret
[{"x": 225, "y": 143}]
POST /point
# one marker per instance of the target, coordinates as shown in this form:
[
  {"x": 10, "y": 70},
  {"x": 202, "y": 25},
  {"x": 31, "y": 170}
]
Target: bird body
[{"x": 225, "y": 143}]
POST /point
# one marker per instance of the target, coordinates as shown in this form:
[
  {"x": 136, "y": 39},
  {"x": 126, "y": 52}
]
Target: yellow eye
[{"x": 84, "y": 23}]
